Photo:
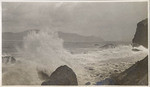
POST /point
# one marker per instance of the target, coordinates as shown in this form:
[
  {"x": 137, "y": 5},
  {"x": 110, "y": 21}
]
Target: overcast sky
[{"x": 109, "y": 20}]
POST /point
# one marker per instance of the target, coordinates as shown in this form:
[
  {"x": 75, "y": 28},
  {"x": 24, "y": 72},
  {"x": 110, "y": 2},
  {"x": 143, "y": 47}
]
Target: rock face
[
  {"x": 63, "y": 75},
  {"x": 141, "y": 35},
  {"x": 137, "y": 74}
]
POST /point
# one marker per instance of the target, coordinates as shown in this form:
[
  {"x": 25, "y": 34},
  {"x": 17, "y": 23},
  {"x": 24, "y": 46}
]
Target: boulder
[{"x": 63, "y": 75}]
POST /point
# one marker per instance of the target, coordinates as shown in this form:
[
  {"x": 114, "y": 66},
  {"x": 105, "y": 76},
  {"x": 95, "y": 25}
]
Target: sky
[{"x": 112, "y": 21}]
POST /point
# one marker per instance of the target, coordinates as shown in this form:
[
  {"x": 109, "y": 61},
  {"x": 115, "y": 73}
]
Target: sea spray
[
  {"x": 41, "y": 51},
  {"x": 45, "y": 48}
]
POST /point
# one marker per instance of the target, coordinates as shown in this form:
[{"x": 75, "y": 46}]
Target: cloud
[{"x": 112, "y": 21}]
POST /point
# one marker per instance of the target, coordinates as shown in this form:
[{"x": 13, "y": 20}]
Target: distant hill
[
  {"x": 10, "y": 36},
  {"x": 72, "y": 37},
  {"x": 67, "y": 37}
]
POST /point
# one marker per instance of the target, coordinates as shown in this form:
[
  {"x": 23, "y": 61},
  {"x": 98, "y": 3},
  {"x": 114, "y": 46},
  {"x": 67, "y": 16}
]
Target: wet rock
[
  {"x": 91, "y": 69},
  {"x": 115, "y": 71},
  {"x": 108, "y": 46},
  {"x": 8, "y": 59},
  {"x": 116, "y": 65},
  {"x": 63, "y": 75},
  {"x": 101, "y": 76},
  {"x": 136, "y": 50},
  {"x": 88, "y": 83},
  {"x": 135, "y": 75},
  {"x": 97, "y": 74},
  {"x": 42, "y": 75}
]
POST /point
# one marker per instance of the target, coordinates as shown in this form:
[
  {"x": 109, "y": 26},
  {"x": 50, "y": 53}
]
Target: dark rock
[
  {"x": 136, "y": 50},
  {"x": 8, "y": 59},
  {"x": 137, "y": 74},
  {"x": 108, "y": 46},
  {"x": 134, "y": 74},
  {"x": 115, "y": 71},
  {"x": 63, "y": 75},
  {"x": 42, "y": 75},
  {"x": 97, "y": 74},
  {"x": 88, "y": 83},
  {"x": 101, "y": 76},
  {"x": 91, "y": 69},
  {"x": 13, "y": 60},
  {"x": 116, "y": 65},
  {"x": 141, "y": 35}
]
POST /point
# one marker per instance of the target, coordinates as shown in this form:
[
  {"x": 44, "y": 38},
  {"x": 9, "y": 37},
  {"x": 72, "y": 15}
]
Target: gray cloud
[{"x": 111, "y": 21}]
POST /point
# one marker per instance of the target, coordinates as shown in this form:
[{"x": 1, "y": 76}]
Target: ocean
[{"x": 45, "y": 51}]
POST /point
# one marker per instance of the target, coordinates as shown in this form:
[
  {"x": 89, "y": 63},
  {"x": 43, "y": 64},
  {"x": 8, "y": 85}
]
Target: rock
[
  {"x": 134, "y": 75},
  {"x": 137, "y": 74},
  {"x": 88, "y": 83},
  {"x": 115, "y": 71},
  {"x": 141, "y": 35},
  {"x": 100, "y": 76},
  {"x": 96, "y": 44},
  {"x": 91, "y": 69},
  {"x": 42, "y": 75},
  {"x": 136, "y": 50},
  {"x": 108, "y": 46},
  {"x": 116, "y": 65},
  {"x": 8, "y": 59},
  {"x": 63, "y": 75}
]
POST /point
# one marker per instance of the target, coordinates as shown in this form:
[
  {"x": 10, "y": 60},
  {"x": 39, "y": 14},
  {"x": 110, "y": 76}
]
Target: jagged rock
[
  {"x": 141, "y": 35},
  {"x": 63, "y": 75}
]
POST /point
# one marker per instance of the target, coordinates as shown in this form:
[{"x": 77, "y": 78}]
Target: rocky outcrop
[
  {"x": 137, "y": 74},
  {"x": 63, "y": 75},
  {"x": 141, "y": 35}
]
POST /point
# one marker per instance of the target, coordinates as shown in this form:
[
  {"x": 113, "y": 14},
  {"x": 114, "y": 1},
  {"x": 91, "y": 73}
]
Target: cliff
[
  {"x": 141, "y": 35},
  {"x": 137, "y": 74}
]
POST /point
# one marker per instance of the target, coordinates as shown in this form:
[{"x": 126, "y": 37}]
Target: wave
[{"x": 43, "y": 52}]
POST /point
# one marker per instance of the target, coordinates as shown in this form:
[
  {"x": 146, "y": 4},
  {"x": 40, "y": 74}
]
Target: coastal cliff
[{"x": 137, "y": 74}]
